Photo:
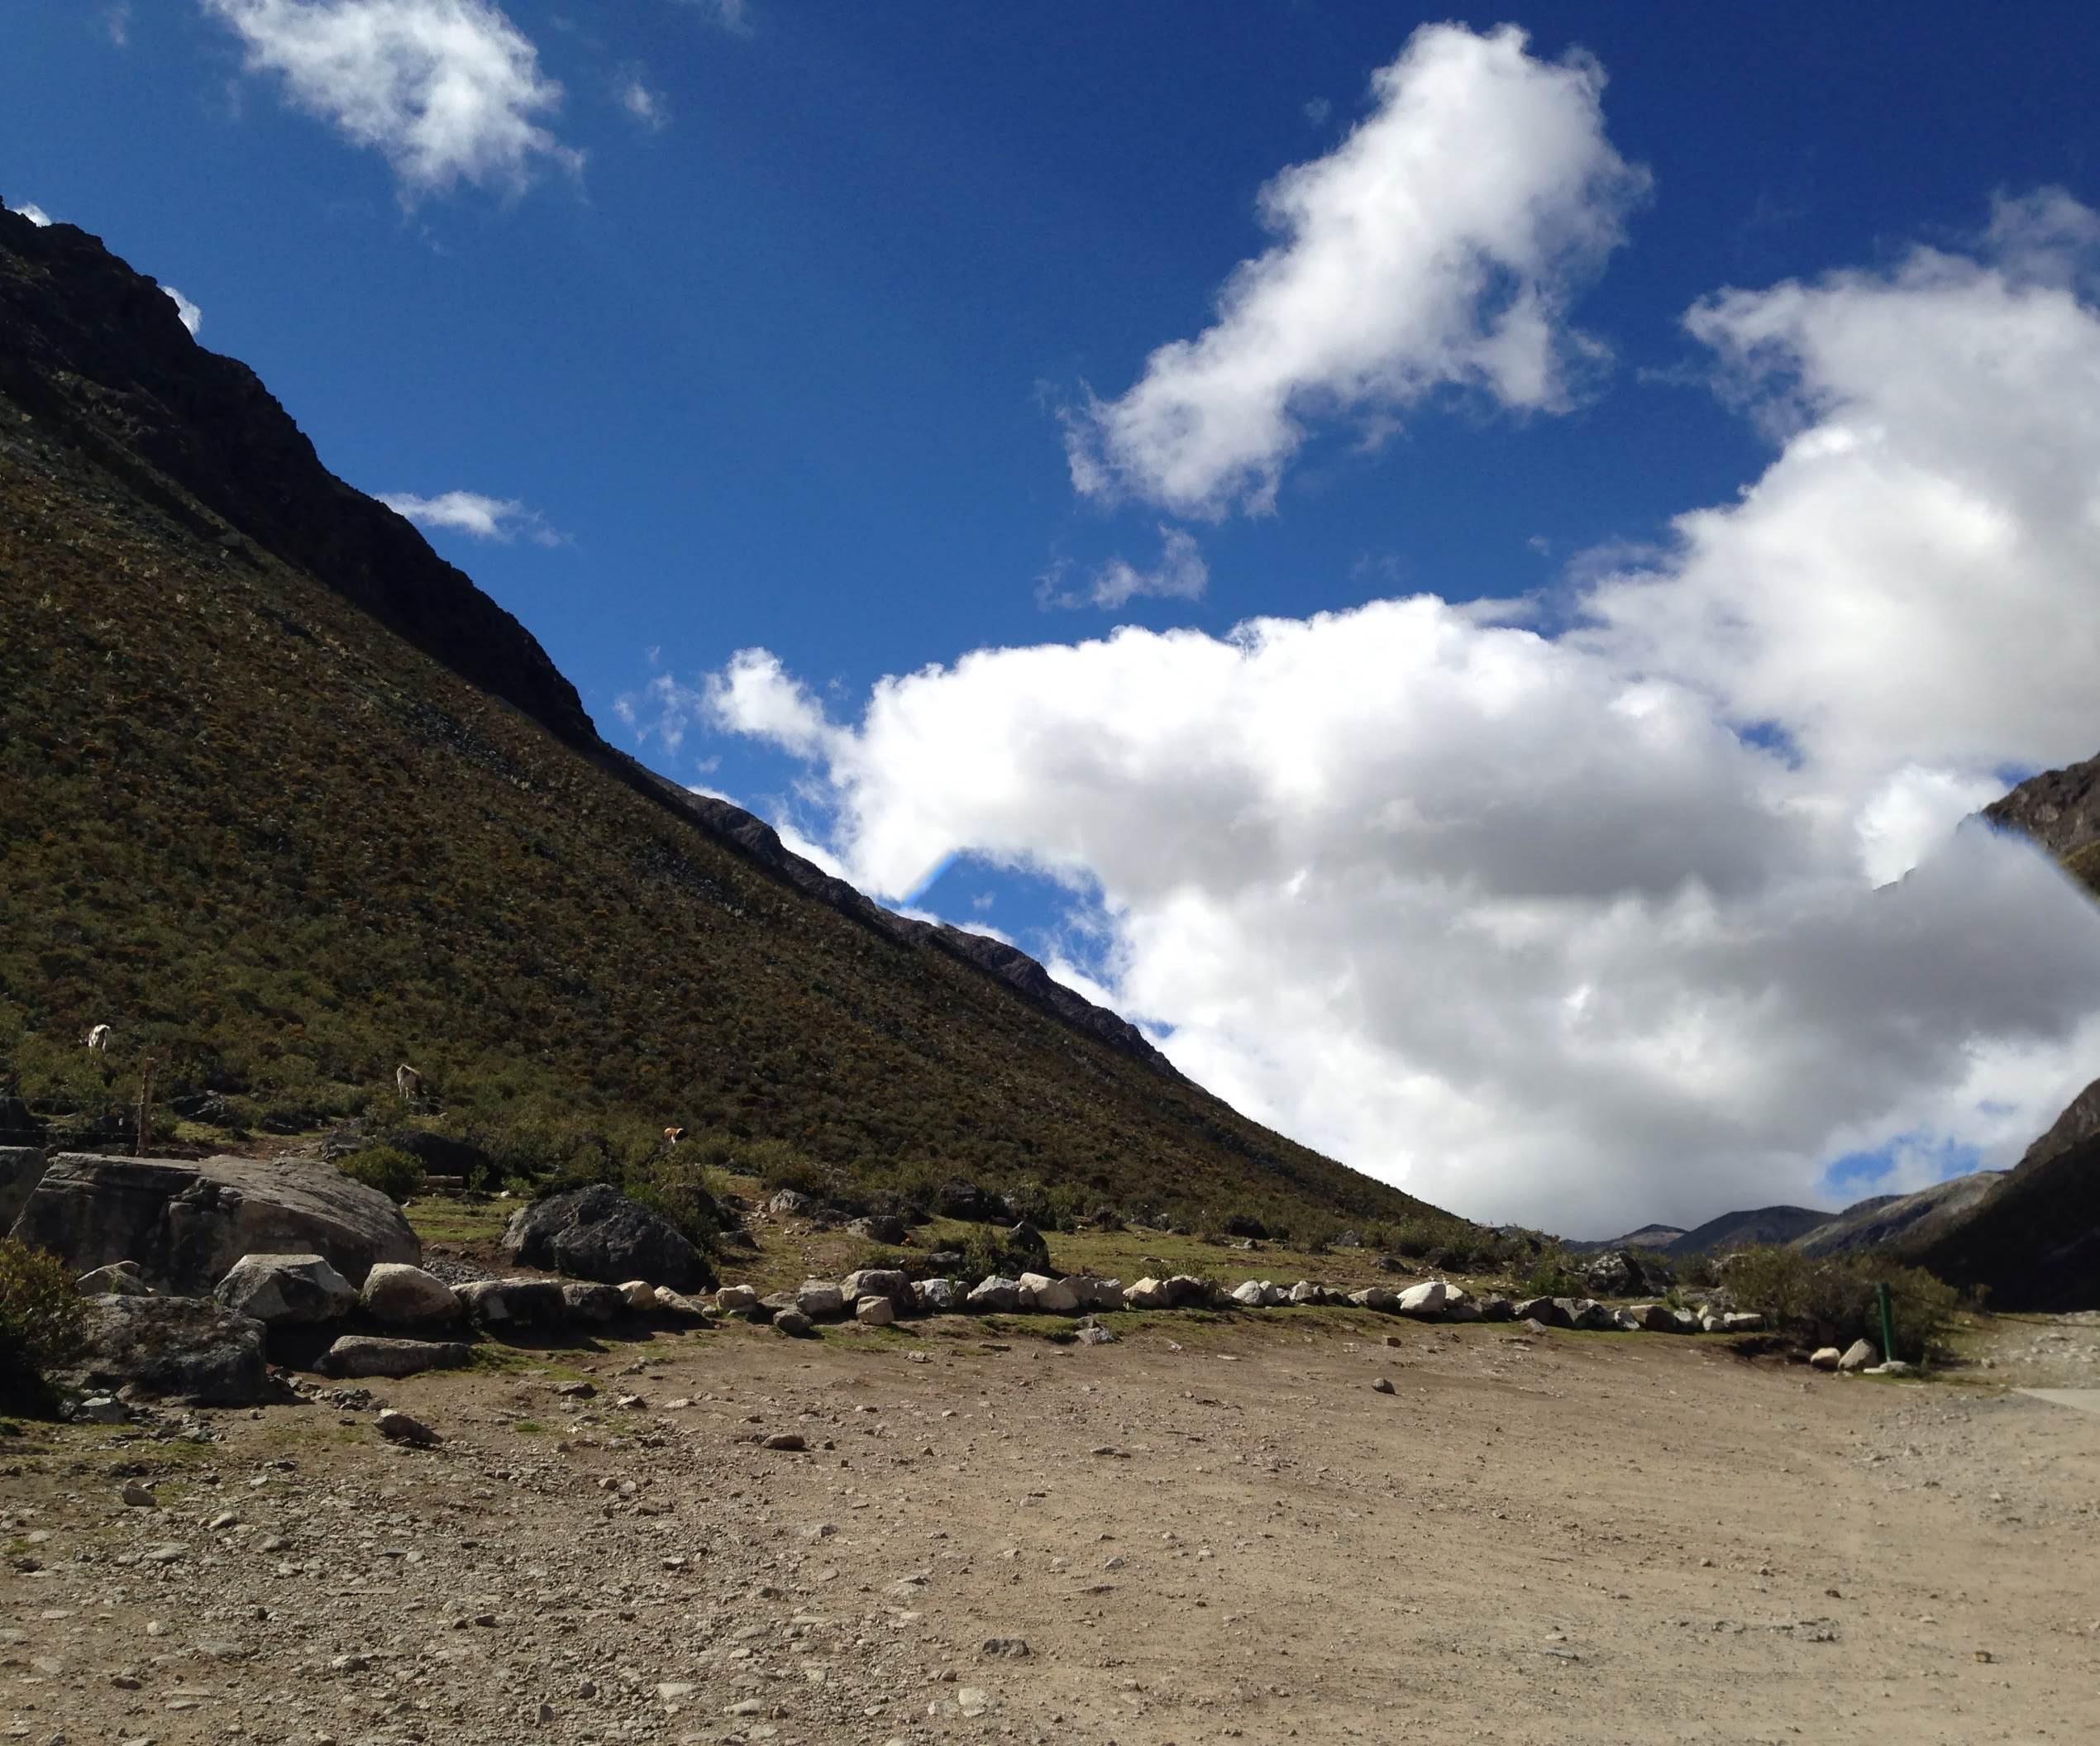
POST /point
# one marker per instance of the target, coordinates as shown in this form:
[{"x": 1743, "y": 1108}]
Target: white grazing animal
[
  {"x": 407, "y": 1081},
  {"x": 99, "y": 1038}
]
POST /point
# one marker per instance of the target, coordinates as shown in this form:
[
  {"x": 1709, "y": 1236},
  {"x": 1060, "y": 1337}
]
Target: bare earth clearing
[{"x": 1561, "y": 1537}]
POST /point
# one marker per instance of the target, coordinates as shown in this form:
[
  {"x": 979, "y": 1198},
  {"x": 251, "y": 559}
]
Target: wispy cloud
[
  {"x": 470, "y": 512},
  {"x": 1180, "y": 574},
  {"x": 448, "y": 90},
  {"x": 647, "y": 106},
  {"x": 117, "y": 20},
  {"x": 33, "y": 214},
  {"x": 733, "y": 15}
]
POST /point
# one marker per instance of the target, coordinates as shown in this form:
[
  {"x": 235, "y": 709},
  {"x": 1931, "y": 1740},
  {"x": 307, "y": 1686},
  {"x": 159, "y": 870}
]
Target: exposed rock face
[
  {"x": 2059, "y": 810},
  {"x": 369, "y": 1355},
  {"x": 397, "y": 1295},
  {"x": 98, "y": 346},
  {"x": 283, "y": 1290},
  {"x": 187, "y": 1223},
  {"x": 21, "y": 1168},
  {"x": 874, "y": 1312},
  {"x": 2079, "y": 1122},
  {"x": 597, "y": 1233},
  {"x": 187, "y": 1349}
]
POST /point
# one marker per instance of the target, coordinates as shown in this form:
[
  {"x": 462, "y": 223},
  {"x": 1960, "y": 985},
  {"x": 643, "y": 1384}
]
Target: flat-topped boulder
[
  {"x": 370, "y": 1355},
  {"x": 189, "y": 1349},
  {"x": 186, "y": 1222}
]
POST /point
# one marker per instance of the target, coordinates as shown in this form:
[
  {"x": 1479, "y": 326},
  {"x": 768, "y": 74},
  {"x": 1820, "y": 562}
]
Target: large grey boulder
[
  {"x": 187, "y": 1223},
  {"x": 370, "y": 1355},
  {"x": 1427, "y": 1298},
  {"x": 1649, "y": 1318},
  {"x": 286, "y": 1290},
  {"x": 21, "y": 1168},
  {"x": 1859, "y": 1355},
  {"x": 597, "y": 1233},
  {"x": 397, "y": 1295},
  {"x": 591, "y": 1301},
  {"x": 934, "y": 1296},
  {"x": 502, "y": 1305},
  {"x": 1051, "y": 1296},
  {"x": 1618, "y": 1273},
  {"x": 1380, "y": 1298},
  {"x": 1185, "y": 1291},
  {"x": 879, "y": 1282},
  {"x": 991, "y": 1296},
  {"x": 820, "y": 1300},
  {"x": 1095, "y": 1293},
  {"x": 1145, "y": 1294},
  {"x": 188, "y": 1348}
]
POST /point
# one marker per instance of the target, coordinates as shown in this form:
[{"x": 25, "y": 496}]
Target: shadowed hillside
[{"x": 287, "y": 801}]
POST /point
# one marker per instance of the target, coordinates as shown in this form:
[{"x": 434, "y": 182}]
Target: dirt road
[{"x": 1550, "y": 1539}]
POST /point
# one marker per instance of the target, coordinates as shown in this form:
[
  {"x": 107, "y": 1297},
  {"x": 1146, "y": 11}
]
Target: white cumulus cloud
[
  {"x": 470, "y": 512},
  {"x": 191, "y": 317},
  {"x": 33, "y": 214},
  {"x": 1434, "y": 247},
  {"x": 448, "y": 90},
  {"x": 1590, "y": 928}
]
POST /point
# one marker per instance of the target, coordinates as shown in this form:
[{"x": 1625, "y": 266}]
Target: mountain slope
[
  {"x": 1886, "y": 1218},
  {"x": 287, "y": 800},
  {"x": 2034, "y": 1240},
  {"x": 1739, "y": 1229},
  {"x": 2060, "y": 810}
]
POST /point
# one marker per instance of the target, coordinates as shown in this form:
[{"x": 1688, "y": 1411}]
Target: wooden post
[{"x": 146, "y": 1106}]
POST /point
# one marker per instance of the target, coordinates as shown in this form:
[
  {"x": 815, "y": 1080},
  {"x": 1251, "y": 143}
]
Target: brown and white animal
[
  {"x": 99, "y": 1038},
  {"x": 672, "y": 1135},
  {"x": 407, "y": 1081}
]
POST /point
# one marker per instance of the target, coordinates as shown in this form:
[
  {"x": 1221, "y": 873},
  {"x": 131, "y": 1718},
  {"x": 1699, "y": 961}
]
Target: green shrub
[
  {"x": 394, "y": 1173},
  {"x": 40, "y": 1319},
  {"x": 986, "y": 1250},
  {"x": 1831, "y": 1299},
  {"x": 1553, "y": 1274}
]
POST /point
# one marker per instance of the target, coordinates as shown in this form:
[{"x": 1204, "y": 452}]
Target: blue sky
[{"x": 775, "y": 326}]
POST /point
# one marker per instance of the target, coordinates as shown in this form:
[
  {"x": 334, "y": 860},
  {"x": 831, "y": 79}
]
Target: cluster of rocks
[{"x": 197, "y": 1277}]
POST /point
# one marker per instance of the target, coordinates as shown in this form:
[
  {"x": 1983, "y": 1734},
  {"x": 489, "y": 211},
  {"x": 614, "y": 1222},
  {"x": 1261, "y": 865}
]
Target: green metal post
[{"x": 1887, "y": 1325}]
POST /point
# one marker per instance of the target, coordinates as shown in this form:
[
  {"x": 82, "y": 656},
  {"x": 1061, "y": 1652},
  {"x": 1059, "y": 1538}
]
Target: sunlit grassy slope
[{"x": 275, "y": 845}]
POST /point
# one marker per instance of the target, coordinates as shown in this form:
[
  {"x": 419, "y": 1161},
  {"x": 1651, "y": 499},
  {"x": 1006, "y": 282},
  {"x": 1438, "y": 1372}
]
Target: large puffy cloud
[
  {"x": 1911, "y": 580},
  {"x": 448, "y": 90},
  {"x": 1435, "y": 246},
  {"x": 1591, "y": 929}
]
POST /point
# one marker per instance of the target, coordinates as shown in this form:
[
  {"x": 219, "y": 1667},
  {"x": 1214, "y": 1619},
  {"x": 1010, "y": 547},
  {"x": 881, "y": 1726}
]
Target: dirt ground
[{"x": 1208, "y": 1531}]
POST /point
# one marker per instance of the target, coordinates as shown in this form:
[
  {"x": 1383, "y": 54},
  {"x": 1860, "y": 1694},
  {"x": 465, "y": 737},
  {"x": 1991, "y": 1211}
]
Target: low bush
[
  {"x": 394, "y": 1172},
  {"x": 987, "y": 1250},
  {"x": 1553, "y": 1274},
  {"x": 1831, "y": 1299},
  {"x": 40, "y": 1321}
]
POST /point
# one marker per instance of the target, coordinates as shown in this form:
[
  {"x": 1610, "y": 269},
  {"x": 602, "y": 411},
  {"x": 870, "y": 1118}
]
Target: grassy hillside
[{"x": 282, "y": 849}]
